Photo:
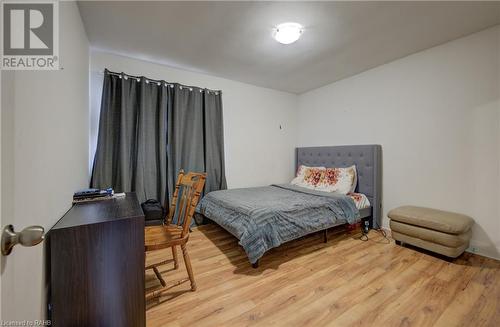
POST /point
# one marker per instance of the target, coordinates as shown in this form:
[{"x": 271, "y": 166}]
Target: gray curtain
[
  {"x": 196, "y": 141},
  {"x": 149, "y": 130}
]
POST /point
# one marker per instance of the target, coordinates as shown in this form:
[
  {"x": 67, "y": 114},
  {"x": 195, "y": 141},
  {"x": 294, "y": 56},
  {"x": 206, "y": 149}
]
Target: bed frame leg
[
  {"x": 255, "y": 264},
  {"x": 325, "y": 236}
]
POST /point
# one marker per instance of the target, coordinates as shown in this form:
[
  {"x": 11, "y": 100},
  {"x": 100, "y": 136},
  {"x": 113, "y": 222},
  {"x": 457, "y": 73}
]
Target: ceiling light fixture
[{"x": 287, "y": 33}]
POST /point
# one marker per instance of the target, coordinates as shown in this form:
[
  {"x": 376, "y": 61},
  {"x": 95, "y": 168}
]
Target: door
[
  {"x": 44, "y": 158},
  {"x": 22, "y": 271}
]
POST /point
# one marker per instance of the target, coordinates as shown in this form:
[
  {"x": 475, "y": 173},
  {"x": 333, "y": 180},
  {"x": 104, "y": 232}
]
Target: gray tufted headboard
[{"x": 368, "y": 161}]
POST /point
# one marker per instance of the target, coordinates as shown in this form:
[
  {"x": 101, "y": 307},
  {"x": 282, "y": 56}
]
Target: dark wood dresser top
[{"x": 101, "y": 211}]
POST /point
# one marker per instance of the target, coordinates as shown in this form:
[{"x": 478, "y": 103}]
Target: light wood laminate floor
[{"x": 345, "y": 282}]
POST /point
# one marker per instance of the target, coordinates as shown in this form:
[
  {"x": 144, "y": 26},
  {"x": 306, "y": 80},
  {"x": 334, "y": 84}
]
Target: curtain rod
[{"x": 138, "y": 78}]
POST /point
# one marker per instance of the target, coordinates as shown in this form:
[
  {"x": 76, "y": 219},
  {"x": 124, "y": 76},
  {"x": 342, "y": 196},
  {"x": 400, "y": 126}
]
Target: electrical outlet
[{"x": 472, "y": 249}]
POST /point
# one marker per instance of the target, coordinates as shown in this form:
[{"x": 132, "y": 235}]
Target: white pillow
[
  {"x": 308, "y": 177},
  {"x": 360, "y": 200},
  {"x": 341, "y": 180},
  {"x": 355, "y": 182}
]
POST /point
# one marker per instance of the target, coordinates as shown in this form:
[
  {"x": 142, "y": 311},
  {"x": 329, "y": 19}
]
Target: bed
[{"x": 266, "y": 217}]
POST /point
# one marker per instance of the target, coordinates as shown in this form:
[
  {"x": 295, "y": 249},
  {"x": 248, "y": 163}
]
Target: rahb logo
[{"x": 30, "y": 35}]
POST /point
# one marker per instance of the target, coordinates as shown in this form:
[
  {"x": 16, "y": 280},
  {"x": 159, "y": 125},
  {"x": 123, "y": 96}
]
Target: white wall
[
  {"x": 257, "y": 152},
  {"x": 45, "y": 130},
  {"x": 436, "y": 115}
]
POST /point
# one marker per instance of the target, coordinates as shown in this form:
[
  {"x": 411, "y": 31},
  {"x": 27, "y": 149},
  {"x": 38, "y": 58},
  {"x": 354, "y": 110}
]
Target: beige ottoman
[{"x": 443, "y": 232}]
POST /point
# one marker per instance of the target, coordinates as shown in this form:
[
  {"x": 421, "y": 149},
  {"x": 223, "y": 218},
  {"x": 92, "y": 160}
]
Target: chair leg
[
  {"x": 160, "y": 278},
  {"x": 176, "y": 259},
  {"x": 189, "y": 269}
]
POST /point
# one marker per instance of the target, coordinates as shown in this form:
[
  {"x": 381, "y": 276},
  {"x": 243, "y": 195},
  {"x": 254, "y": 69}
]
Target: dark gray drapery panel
[
  {"x": 214, "y": 143},
  {"x": 149, "y": 131},
  {"x": 130, "y": 154},
  {"x": 196, "y": 136}
]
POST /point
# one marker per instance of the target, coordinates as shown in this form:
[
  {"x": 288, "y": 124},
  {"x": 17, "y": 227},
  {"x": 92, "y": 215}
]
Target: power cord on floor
[
  {"x": 364, "y": 236},
  {"x": 384, "y": 235}
]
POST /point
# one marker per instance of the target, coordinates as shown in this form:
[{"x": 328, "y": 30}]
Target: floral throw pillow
[
  {"x": 308, "y": 177},
  {"x": 341, "y": 180}
]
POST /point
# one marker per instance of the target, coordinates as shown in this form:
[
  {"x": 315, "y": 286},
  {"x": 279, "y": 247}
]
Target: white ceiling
[{"x": 233, "y": 39}]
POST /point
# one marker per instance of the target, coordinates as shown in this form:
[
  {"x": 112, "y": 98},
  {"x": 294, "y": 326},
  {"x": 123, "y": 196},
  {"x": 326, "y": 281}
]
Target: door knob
[{"x": 29, "y": 236}]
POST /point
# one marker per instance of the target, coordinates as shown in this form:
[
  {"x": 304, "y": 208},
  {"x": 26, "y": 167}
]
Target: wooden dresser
[{"x": 95, "y": 265}]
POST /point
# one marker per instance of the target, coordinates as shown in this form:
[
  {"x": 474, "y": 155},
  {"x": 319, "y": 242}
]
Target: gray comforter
[{"x": 265, "y": 217}]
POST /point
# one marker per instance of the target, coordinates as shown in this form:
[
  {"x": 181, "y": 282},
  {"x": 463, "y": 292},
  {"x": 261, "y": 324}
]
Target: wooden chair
[{"x": 175, "y": 233}]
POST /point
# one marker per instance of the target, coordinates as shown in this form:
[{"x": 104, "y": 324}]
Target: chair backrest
[{"x": 185, "y": 199}]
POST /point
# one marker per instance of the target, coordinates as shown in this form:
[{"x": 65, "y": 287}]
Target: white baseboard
[{"x": 483, "y": 249}]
